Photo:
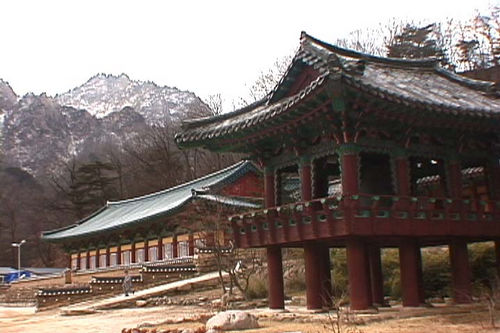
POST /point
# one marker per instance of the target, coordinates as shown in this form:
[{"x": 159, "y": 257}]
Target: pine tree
[
  {"x": 415, "y": 43},
  {"x": 94, "y": 185}
]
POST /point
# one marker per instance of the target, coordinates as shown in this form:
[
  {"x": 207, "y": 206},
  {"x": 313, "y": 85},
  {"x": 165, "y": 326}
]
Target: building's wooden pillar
[
  {"x": 314, "y": 283},
  {"x": 376, "y": 278},
  {"x": 326, "y": 277},
  {"x": 132, "y": 253},
  {"x": 350, "y": 177},
  {"x": 108, "y": 255},
  {"x": 118, "y": 255},
  {"x": 460, "y": 271},
  {"x": 269, "y": 187},
  {"x": 191, "y": 244},
  {"x": 409, "y": 260},
  {"x": 359, "y": 288},
  {"x": 275, "y": 278},
  {"x": 455, "y": 177},
  {"x": 494, "y": 173},
  {"x": 305, "y": 179},
  {"x": 402, "y": 175},
  {"x": 146, "y": 250},
  {"x": 497, "y": 255},
  {"x": 160, "y": 248},
  {"x": 175, "y": 252},
  {"x": 78, "y": 261},
  {"x": 97, "y": 257},
  {"x": 87, "y": 260},
  {"x": 421, "y": 289}
]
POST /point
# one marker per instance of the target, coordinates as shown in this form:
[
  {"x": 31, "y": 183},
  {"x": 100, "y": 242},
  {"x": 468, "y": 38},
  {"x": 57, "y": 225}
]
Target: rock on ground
[{"x": 232, "y": 320}]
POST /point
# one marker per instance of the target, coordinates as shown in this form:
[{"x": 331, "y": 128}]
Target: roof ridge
[
  {"x": 180, "y": 186},
  {"x": 186, "y": 124},
  {"x": 487, "y": 86}
]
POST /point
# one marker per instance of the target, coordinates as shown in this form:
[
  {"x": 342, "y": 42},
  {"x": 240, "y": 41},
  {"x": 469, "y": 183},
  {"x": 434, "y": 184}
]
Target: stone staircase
[
  {"x": 116, "y": 301},
  {"x": 100, "y": 287}
]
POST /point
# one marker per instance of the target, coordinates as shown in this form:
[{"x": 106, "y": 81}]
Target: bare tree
[{"x": 240, "y": 265}]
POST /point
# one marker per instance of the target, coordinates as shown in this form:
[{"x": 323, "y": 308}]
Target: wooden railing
[{"x": 334, "y": 215}]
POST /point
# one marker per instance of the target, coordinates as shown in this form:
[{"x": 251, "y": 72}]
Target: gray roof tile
[
  {"x": 417, "y": 83},
  {"x": 120, "y": 214}
]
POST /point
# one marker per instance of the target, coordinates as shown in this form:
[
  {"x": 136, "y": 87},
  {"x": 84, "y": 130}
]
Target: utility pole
[{"x": 18, "y": 245}]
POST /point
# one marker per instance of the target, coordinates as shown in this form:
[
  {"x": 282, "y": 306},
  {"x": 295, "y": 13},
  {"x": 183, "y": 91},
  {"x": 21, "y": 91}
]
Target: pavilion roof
[
  {"x": 420, "y": 84},
  {"x": 125, "y": 213}
]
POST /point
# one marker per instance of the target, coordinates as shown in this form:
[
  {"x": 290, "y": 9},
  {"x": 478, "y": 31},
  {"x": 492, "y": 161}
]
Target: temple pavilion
[
  {"x": 364, "y": 153},
  {"x": 161, "y": 226}
]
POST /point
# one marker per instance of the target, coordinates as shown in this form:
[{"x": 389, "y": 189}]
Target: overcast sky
[{"x": 203, "y": 46}]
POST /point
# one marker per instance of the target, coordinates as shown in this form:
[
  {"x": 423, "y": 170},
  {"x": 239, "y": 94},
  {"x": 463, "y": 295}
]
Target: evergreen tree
[
  {"x": 415, "y": 43},
  {"x": 93, "y": 186}
]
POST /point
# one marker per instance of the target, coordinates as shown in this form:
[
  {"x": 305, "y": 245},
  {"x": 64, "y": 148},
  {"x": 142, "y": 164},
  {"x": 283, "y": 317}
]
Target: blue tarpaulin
[{"x": 9, "y": 277}]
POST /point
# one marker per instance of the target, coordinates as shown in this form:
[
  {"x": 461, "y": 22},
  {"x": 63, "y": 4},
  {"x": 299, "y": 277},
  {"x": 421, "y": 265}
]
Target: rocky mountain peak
[
  {"x": 40, "y": 133},
  {"x": 104, "y": 94},
  {"x": 7, "y": 96}
]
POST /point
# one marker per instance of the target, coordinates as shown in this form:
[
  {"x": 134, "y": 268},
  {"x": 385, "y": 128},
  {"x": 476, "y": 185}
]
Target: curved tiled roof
[
  {"x": 120, "y": 214},
  {"x": 421, "y": 84}
]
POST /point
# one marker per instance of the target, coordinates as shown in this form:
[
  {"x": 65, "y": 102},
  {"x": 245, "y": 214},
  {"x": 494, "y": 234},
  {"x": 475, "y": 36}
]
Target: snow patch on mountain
[{"x": 105, "y": 94}]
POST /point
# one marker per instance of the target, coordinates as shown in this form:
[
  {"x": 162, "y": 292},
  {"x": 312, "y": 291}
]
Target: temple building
[
  {"x": 364, "y": 153},
  {"x": 161, "y": 226}
]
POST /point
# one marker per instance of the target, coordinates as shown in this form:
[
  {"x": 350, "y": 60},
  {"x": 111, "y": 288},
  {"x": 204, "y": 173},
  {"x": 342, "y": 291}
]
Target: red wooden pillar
[
  {"x": 313, "y": 262},
  {"x": 269, "y": 187},
  {"x": 160, "y": 248},
  {"x": 421, "y": 291},
  {"x": 305, "y": 179},
  {"x": 326, "y": 277},
  {"x": 497, "y": 255},
  {"x": 494, "y": 171},
  {"x": 359, "y": 289},
  {"x": 410, "y": 271},
  {"x": 455, "y": 177},
  {"x": 275, "y": 278},
  {"x": 119, "y": 255},
  {"x": 350, "y": 179},
  {"x": 460, "y": 271},
  {"x": 146, "y": 250},
  {"x": 174, "y": 247},
  {"x": 87, "y": 260},
  {"x": 191, "y": 244},
  {"x": 376, "y": 278},
  {"x": 132, "y": 254},
  {"x": 108, "y": 256},
  {"x": 402, "y": 175},
  {"x": 78, "y": 261},
  {"x": 97, "y": 255}
]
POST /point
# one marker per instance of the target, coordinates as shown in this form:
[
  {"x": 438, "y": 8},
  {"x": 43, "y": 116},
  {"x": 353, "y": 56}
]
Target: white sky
[{"x": 203, "y": 46}]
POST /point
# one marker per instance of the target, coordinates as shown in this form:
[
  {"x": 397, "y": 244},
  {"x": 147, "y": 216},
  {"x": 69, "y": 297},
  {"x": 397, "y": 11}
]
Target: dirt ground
[{"x": 440, "y": 319}]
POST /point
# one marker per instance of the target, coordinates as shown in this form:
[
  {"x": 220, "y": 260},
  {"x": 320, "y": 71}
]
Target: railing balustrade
[{"x": 307, "y": 216}]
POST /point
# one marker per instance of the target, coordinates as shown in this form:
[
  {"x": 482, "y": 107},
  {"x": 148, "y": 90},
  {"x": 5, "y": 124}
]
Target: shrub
[
  {"x": 339, "y": 274},
  {"x": 436, "y": 272},
  {"x": 257, "y": 287},
  {"x": 391, "y": 273}
]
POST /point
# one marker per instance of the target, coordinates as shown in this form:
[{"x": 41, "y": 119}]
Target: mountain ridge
[{"x": 41, "y": 133}]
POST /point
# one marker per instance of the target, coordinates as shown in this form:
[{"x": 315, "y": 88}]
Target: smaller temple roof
[
  {"x": 120, "y": 214},
  {"x": 418, "y": 84}
]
